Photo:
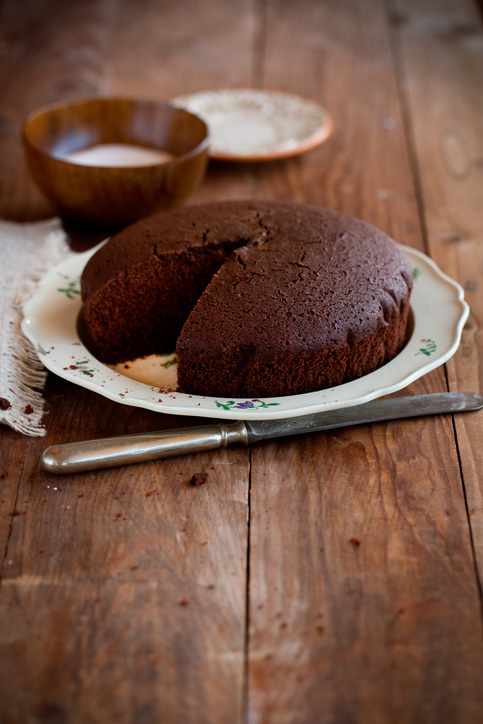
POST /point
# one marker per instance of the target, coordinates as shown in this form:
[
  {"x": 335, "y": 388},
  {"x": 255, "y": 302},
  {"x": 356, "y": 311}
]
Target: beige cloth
[{"x": 27, "y": 252}]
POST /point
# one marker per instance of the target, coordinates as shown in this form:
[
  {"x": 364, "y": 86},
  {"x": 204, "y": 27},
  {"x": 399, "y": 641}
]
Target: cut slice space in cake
[{"x": 261, "y": 299}]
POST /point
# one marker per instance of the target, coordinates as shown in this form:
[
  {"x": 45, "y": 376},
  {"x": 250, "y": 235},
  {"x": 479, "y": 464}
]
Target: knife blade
[{"x": 110, "y": 452}]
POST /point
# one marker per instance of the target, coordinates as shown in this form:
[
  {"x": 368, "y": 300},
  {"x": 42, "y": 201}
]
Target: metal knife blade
[
  {"x": 110, "y": 452},
  {"x": 374, "y": 411}
]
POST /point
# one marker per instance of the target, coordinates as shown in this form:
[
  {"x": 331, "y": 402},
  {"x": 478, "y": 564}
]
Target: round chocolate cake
[{"x": 261, "y": 299}]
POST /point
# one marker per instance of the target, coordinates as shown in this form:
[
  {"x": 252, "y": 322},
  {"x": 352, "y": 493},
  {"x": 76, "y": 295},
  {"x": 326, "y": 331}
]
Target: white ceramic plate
[
  {"x": 50, "y": 323},
  {"x": 254, "y": 125}
]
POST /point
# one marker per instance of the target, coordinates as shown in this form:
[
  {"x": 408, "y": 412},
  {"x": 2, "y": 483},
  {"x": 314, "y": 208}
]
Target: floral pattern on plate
[{"x": 438, "y": 313}]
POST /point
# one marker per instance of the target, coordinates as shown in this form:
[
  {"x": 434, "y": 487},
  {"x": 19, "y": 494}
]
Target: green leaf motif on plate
[
  {"x": 168, "y": 362},
  {"x": 80, "y": 366},
  {"x": 72, "y": 287},
  {"x": 416, "y": 273},
  {"x": 428, "y": 348}
]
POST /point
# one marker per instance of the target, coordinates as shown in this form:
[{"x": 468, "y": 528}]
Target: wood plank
[
  {"x": 50, "y": 51},
  {"x": 445, "y": 105},
  {"x": 364, "y": 604},
  {"x": 363, "y": 169},
  {"x": 13, "y": 449},
  {"x": 100, "y": 663},
  {"x": 389, "y": 486},
  {"x": 123, "y": 585},
  {"x": 181, "y": 48},
  {"x": 121, "y": 574},
  {"x": 46, "y": 50},
  {"x": 125, "y": 597}
]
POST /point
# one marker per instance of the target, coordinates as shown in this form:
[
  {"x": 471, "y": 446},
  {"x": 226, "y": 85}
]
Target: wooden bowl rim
[{"x": 197, "y": 150}]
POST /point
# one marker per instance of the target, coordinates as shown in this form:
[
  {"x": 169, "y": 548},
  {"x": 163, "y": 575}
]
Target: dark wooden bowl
[{"x": 115, "y": 196}]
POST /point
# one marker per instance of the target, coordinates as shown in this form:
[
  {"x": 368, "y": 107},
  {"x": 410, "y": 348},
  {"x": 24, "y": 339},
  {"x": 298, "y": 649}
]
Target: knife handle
[{"x": 76, "y": 457}]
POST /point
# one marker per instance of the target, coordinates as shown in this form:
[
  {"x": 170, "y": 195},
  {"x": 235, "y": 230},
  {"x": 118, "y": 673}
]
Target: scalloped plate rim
[{"x": 386, "y": 380}]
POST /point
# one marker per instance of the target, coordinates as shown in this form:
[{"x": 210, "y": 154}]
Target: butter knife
[{"x": 109, "y": 452}]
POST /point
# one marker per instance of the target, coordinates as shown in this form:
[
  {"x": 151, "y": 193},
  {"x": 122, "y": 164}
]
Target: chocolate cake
[{"x": 261, "y": 299}]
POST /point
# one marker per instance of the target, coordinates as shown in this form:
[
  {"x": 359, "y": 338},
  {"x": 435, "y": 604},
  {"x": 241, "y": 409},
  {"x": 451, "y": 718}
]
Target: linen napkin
[{"x": 27, "y": 252}]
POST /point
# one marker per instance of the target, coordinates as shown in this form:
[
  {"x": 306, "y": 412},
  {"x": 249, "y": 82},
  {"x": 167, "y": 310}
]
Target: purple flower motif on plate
[{"x": 247, "y": 405}]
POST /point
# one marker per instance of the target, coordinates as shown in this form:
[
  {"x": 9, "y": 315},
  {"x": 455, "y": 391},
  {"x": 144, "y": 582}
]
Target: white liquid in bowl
[{"x": 118, "y": 155}]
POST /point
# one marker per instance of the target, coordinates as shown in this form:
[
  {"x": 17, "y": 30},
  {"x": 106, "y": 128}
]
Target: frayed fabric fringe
[{"x": 28, "y": 252}]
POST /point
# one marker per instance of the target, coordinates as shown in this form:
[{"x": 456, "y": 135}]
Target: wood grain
[
  {"x": 13, "y": 449},
  {"x": 364, "y": 605},
  {"x": 360, "y": 554},
  {"x": 363, "y": 169},
  {"x": 52, "y": 51},
  {"x": 124, "y": 592},
  {"x": 124, "y": 582},
  {"x": 184, "y": 48},
  {"x": 445, "y": 106},
  {"x": 125, "y": 596}
]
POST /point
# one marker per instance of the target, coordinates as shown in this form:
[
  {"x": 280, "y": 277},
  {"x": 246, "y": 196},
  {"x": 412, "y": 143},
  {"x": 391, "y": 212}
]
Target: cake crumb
[
  {"x": 28, "y": 409},
  {"x": 4, "y": 404},
  {"x": 198, "y": 479},
  {"x": 355, "y": 542},
  {"x": 184, "y": 602}
]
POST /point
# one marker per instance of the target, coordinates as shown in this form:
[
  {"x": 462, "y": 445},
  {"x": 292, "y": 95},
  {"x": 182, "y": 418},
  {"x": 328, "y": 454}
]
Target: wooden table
[{"x": 128, "y": 595}]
